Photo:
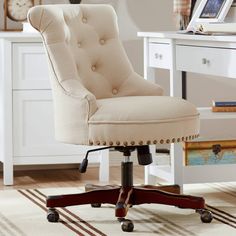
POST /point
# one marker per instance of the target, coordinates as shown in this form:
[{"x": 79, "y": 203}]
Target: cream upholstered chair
[{"x": 100, "y": 100}]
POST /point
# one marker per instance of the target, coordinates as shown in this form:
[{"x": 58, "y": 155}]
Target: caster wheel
[
  {"x": 206, "y": 216},
  {"x": 96, "y": 205},
  {"x": 53, "y": 215},
  {"x": 127, "y": 226}
]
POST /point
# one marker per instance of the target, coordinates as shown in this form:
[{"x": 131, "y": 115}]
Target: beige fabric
[
  {"x": 98, "y": 98},
  {"x": 142, "y": 120}
]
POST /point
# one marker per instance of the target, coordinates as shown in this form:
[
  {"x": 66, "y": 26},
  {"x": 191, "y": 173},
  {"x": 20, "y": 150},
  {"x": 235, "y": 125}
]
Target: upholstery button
[
  {"x": 114, "y": 91},
  {"x": 102, "y": 41},
  {"x": 93, "y": 68},
  {"x": 79, "y": 44},
  {"x": 84, "y": 20}
]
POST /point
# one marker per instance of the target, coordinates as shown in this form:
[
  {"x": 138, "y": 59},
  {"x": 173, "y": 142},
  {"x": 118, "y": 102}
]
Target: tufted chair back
[{"x": 85, "y": 38}]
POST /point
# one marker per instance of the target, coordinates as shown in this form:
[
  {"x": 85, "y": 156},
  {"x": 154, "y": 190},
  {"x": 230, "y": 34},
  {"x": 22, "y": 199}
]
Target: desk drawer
[
  {"x": 159, "y": 55},
  {"x": 30, "y": 69},
  {"x": 211, "y": 61}
]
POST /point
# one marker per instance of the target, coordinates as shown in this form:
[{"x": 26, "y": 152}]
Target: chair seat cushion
[{"x": 142, "y": 120}]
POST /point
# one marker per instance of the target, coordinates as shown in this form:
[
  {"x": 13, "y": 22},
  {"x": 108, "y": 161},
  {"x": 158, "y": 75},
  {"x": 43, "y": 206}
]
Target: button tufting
[
  {"x": 93, "y": 68},
  {"x": 79, "y": 44},
  {"x": 102, "y": 41},
  {"x": 84, "y": 20},
  {"x": 114, "y": 91}
]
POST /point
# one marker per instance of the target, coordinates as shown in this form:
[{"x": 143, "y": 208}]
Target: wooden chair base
[{"x": 124, "y": 197}]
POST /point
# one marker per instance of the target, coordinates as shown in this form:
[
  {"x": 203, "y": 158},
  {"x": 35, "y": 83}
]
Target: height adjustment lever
[{"x": 84, "y": 163}]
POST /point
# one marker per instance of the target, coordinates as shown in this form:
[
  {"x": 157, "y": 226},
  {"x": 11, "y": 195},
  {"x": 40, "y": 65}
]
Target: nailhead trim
[{"x": 148, "y": 142}]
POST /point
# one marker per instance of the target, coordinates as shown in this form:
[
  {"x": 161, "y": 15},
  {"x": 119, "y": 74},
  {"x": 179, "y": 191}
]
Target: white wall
[{"x": 156, "y": 15}]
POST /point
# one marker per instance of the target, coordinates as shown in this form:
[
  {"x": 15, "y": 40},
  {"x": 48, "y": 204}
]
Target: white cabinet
[{"x": 26, "y": 110}]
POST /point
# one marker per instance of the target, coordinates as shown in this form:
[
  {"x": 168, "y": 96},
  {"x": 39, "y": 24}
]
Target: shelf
[
  {"x": 207, "y": 114},
  {"x": 209, "y": 173},
  {"x": 205, "y": 173}
]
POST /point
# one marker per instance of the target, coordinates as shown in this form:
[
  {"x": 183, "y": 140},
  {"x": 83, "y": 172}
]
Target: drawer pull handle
[
  {"x": 158, "y": 56},
  {"x": 205, "y": 61}
]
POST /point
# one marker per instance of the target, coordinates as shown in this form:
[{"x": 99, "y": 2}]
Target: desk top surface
[
  {"x": 187, "y": 36},
  {"x": 19, "y": 35}
]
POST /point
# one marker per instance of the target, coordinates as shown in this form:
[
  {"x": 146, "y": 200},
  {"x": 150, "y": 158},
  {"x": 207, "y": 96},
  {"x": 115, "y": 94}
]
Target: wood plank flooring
[{"x": 28, "y": 179}]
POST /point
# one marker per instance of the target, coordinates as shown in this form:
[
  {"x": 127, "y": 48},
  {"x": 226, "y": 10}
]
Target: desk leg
[
  {"x": 104, "y": 166},
  {"x": 176, "y": 151},
  {"x": 8, "y": 172},
  {"x": 148, "y": 72},
  {"x": 176, "y": 154},
  {"x": 150, "y": 179}
]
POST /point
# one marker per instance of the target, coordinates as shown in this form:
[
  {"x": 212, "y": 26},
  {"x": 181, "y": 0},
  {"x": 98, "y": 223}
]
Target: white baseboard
[{"x": 115, "y": 159}]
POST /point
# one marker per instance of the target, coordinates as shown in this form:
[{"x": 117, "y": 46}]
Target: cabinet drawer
[
  {"x": 159, "y": 55},
  {"x": 33, "y": 126},
  {"x": 30, "y": 69},
  {"x": 211, "y": 61}
]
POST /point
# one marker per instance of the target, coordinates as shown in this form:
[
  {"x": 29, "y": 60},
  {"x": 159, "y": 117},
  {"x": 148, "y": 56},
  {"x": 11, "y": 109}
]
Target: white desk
[{"x": 212, "y": 55}]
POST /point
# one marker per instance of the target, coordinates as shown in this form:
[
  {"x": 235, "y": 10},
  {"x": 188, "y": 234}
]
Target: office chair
[{"x": 100, "y": 100}]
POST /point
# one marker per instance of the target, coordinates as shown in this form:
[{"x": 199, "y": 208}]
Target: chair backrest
[{"x": 82, "y": 43}]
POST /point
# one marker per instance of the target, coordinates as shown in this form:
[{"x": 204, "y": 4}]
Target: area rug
[{"x": 23, "y": 213}]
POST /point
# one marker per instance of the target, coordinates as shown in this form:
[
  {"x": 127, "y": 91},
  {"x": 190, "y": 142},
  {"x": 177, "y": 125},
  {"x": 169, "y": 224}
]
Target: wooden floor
[{"x": 65, "y": 178}]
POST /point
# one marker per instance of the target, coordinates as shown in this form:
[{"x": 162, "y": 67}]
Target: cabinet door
[
  {"x": 33, "y": 126},
  {"x": 29, "y": 67}
]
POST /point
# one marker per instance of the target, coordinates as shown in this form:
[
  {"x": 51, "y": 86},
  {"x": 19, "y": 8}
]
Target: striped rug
[{"x": 23, "y": 213}]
